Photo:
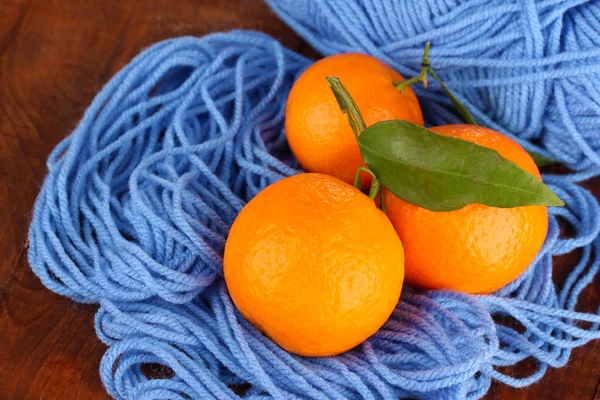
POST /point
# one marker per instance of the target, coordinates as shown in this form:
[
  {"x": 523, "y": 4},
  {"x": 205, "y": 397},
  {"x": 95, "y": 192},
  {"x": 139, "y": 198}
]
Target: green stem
[
  {"x": 540, "y": 160},
  {"x": 422, "y": 77},
  {"x": 347, "y": 105},
  {"x": 462, "y": 110},
  {"x": 357, "y": 181},
  {"x": 381, "y": 201},
  {"x": 375, "y": 185}
]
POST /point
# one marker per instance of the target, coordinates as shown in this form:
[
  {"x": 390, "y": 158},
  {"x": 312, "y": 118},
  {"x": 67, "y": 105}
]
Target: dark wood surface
[{"x": 54, "y": 56}]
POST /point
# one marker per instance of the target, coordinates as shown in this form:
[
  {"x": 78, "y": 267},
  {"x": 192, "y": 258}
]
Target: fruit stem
[
  {"x": 347, "y": 105},
  {"x": 422, "y": 77},
  {"x": 375, "y": 185},
  {"x": 462, "y": 110},
  {"x": 357, "y": 181}
]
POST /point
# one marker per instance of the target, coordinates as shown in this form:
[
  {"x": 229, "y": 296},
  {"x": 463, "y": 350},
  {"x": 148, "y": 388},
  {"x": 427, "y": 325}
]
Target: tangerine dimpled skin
[
  {"x": 314, "y": 264},
  {"x": 318, "y": 132},
  {"x": 477, "y": 249}
]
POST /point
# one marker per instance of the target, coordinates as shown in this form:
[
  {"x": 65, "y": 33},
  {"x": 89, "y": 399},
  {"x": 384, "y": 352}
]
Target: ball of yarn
[
  {"x": 523, "y": 67},
  {"x": 134, "y": 213}
]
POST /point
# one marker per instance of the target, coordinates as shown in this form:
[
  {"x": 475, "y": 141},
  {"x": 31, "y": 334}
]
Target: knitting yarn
[
  {"x": 139, "y": 199},
  {"x": 134, "y": 213},
  {"x": 523, "y": 67}
]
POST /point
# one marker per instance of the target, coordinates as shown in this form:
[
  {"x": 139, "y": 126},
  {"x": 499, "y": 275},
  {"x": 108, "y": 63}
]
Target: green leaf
[
  {"x": 443, "y": 173},
  {"x": 540, "y": 160}
]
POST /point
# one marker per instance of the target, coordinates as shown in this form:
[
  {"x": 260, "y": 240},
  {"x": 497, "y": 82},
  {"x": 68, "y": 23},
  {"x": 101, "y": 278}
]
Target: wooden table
[{"x": 54, "y": 56}]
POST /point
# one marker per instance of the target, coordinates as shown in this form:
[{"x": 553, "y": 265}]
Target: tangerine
[
  {"x": 314, "y": 264},
  {"x": 319, "y": 134},
  {"x": 477, "y": 249}
]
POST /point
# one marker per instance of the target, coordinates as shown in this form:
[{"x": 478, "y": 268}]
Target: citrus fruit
[
  {"x": 319, "y": 134},
  {"x": 314, "y": 264},
  {"x": 477, "y": 249}
]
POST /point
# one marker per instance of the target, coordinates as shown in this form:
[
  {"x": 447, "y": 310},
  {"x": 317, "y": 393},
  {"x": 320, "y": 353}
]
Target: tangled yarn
[
  {"x": 523, "y": 67},
  {"x": 134, "y": 213}
]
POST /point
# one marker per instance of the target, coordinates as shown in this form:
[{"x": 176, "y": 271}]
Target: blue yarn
[
  {"x": 138, "y": 200},
  {"x": 523, "y": 67}
]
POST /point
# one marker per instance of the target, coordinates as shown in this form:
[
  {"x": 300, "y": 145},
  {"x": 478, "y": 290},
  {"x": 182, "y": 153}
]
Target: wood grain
[{"x": 54, "y": 56}]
